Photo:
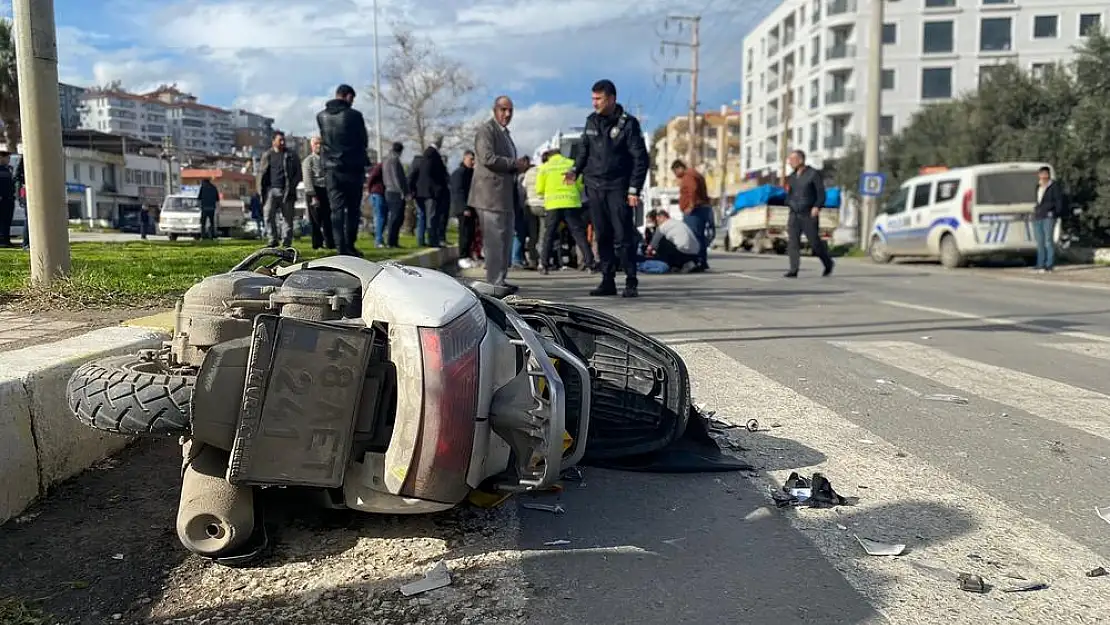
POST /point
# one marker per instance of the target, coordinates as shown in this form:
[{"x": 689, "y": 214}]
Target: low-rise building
[{"x": 232, "y": 185}]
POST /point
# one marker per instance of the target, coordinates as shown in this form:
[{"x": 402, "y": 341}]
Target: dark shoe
[
  {"x": 272, "y": 244},
  {"x": 790, "y": 274},
  {"x": 357, "y": 253},
  {"x": 828, "y": 269},
  {"x": 630, "y": 292},
  {"x": 543, "y": 271},
  {"x": 605, "y": 290}
]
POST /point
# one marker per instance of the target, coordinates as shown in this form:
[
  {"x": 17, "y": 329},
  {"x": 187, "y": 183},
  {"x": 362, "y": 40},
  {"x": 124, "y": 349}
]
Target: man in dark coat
[
  {"x": 279, "y": 173},
  {"x": 209, "y": 198},
  {"x": 805, "y": 197},
  {"x": 433, "y": 187},
  {"x": 468, "y": 218},
  {"x": 345, "y": 160}
]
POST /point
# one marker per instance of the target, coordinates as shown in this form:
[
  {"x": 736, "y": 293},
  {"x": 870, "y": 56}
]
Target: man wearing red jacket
[{"x": 375, "y": 185}]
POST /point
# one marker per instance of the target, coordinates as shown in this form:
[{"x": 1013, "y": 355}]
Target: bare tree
[
  {"x": 425, "y": 93},
  {"x": 112, "y": 86}
]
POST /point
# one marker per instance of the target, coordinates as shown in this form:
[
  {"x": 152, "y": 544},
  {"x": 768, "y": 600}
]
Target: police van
[{"x": 961, "y": 214}]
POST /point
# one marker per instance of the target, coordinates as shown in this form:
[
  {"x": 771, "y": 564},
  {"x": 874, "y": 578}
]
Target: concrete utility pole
[
  {"x": 787, "y": 118},
  {"x": 874, "y": 116},
  {"x": 36, "y": 53},
  {"x": 694, "y": 46},
  {"x": 377, "y": 87}
]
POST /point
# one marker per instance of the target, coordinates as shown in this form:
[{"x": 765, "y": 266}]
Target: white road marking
[
  {"x": 1094, "y": 350},
  {"x": 1075, "y": 407},
  {"x": 998, "y": 321},
  {"x": 748, "y": 276},
  {"x": 942, "y": 519}
]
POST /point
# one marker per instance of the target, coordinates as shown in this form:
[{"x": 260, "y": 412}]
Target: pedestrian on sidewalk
[
  {"x": 433, "y": 189},
  {"x": 209, "y": 198},
  {"x": 7, "y": 199},
  {"x": 493, "y": 191},
  {"x": 278, "y": 177},
  {"x": 805, "y": 198},
  {"x": 375, "y": 188},
  {"x": 396, "y": 190},
  {"x": 693, "y": 201},
  {"x": 1049, "y": 207},
  {"x": 562, "y": 203},
  {"x": 316, "y": 197},
  {"x": 614, "y": 162},
  {"x": 461, "y": 180},
  {"x": 345, "y": 160}
]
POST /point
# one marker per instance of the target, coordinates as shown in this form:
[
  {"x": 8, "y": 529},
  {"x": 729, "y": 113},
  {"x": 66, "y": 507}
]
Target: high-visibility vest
[{"x": 556, "y": 193}]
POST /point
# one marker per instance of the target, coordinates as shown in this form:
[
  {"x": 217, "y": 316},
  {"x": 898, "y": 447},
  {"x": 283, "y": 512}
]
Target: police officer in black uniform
[{"x": 613, "y": 160}]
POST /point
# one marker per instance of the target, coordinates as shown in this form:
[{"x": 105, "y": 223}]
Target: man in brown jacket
[
  {"x": 697, "y": 213},
  {"x": 493, "y": 191}
]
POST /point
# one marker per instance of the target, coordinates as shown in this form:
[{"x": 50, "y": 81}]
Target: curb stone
[{"x": 41, "y": 444}]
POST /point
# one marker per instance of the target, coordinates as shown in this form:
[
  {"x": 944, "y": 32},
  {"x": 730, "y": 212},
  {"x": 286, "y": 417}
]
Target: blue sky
[{"x": 282, "y": 58}]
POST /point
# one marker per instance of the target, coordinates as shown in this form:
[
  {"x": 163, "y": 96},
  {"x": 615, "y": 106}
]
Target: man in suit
[
  {"x": 493, "y": 192},
  {"x": 1049, "y": 207},
  {"x": 279, "y": 175},
  {"x": 345, "y": 160}
]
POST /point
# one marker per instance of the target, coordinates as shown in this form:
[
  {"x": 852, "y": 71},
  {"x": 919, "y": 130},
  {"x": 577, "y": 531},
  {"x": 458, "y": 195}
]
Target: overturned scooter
[{"x": 390, "y": 389}]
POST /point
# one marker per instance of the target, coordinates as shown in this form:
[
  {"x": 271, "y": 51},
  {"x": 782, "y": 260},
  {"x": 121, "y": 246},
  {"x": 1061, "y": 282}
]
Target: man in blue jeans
[
  {"x": 1050, "y": 206},
  {"x": 693, "y": 200}
]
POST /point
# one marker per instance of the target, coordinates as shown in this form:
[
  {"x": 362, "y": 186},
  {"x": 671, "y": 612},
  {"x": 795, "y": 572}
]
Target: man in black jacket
[
  {"x": 433, "y": 187},
  {"x": 613, "y": 160},
  {"x": 419, "y": 221},
  {"x": 345, "y": 159},
  {"x": 1049, "y": 207},
  {"x": 209, "y": 199},
  {"x": 805, "y": 197},
  {"x": 279, "y": 172},
  {"x": 468, "y": 219}
]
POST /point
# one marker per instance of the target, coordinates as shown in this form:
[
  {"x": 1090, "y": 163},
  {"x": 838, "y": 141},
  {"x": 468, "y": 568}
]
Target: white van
[{"x": 961, "y": 214}]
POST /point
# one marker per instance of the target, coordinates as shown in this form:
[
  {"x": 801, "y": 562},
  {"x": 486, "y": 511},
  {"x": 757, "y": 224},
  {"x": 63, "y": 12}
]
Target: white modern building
[
  {"x": 933, "y": 50},
  {"x": 166, "y": 112}
]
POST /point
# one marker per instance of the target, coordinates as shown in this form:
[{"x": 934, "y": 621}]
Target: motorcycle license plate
[{"x": 300, "y": 403}]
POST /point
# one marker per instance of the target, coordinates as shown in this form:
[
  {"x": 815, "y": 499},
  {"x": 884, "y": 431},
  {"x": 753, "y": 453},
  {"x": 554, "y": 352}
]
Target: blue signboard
[
  {"x": 73, "y": 187},
  {"x": 871, "y": 184}
]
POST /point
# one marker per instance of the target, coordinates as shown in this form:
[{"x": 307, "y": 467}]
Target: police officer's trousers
[{"x": 615, "y": 233}]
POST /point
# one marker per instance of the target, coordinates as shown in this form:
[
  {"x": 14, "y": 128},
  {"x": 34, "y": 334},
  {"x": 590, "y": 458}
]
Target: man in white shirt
[{"x": 674, "y": 242}]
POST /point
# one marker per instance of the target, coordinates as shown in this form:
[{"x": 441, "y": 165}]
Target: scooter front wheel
[{"x": 131, "y": 395}]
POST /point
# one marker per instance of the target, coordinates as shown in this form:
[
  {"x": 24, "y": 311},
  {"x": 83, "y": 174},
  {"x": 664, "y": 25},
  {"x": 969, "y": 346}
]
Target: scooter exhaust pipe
[{"x": 214, "y": 517}]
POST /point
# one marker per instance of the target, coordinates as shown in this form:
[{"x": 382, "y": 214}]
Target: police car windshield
[{"x": 182, "y": 204}]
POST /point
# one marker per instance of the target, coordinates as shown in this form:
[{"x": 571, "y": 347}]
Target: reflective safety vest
[{"x": 557, "y": 194}]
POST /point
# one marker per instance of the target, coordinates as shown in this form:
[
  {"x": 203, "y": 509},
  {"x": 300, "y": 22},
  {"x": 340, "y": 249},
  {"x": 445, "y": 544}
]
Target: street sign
[{"x": 871, "y": 184}]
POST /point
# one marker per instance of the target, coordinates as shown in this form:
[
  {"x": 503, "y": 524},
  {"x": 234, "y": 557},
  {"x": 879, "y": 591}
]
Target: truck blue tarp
[{"x": 774, "y": 195}]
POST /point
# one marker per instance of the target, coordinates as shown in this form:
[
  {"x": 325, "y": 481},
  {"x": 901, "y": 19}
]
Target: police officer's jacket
[{"x": 612, "y": 155}]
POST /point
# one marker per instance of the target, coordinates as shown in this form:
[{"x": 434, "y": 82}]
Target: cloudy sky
[{"x": 283, "y": 57}]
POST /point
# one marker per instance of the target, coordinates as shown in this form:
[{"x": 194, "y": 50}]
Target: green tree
[{"x": 9, "y": 87}]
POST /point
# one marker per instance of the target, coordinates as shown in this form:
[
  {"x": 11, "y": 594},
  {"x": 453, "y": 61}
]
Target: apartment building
[
  {"x": 253, "y": 132},
  {"x": 710, "y": 124},
  {"x": 805, "y": 65},
  {"x": 69, "y": 102},
  {"x": 164, "y": 112}
]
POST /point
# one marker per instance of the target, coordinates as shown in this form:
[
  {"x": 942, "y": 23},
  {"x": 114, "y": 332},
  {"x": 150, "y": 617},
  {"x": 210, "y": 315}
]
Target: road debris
[
  {"x": 816, "y": 492},
  {"x": 951, "y": 399},
  {"x": 1027, "y": 587},
  {"x": 882, "y": 381},
  {"x": 1097, "y": 572},
  {"x": 556, "y": 543},
  {"x": 438, "y": 577},
  {"x": 555, "y": 509},
  {"x": 118, "y": 556},
  {"x": 876, "y": 548},
  {"x": 971, "y": 583},
  {"x": 1103, "y": 513},
  {"x": 752, "y": 425}
]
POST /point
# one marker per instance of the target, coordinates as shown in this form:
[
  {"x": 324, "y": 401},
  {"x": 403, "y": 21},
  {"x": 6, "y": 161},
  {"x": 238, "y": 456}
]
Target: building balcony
[
  {"x": 772, "y": 84},
  {"x": 835, "y": 141},
  {"x": 840, "y": 96},
  {"x": 840, "y": 51},
  {"x": 840, "y": 7},
  {"x": 772, "y": 121},
  {"x": 773, "y": 47}
]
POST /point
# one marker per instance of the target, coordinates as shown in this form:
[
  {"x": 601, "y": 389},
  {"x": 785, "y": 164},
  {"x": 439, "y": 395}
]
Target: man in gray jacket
[
  {"x": 316, "y": 197},
  {"x": 396, "y": 190}
]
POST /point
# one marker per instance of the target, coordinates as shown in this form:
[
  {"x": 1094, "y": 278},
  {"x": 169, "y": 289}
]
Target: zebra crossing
[{"x": 950, "y": 522}]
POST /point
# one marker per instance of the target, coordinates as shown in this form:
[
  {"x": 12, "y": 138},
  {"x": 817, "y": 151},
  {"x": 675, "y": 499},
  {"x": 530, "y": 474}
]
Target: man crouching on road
[
  {"x": 674, "y": 243},
  {"x": 613, "y": 160}
]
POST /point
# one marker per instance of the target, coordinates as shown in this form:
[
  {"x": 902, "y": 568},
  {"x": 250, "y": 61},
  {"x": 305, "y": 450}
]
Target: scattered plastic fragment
[
  {"x": 926, "y": 338},
  {"x": 876, "y": 548},
  {"x": 884, "y": 381},
  {"x": 841, "y": 527},
  {"x": 1026, "y": 587},
  {"x": 971, "y": 583},
  {"x": 437, "y": 577},
  {"x": 867, "y": 441},
  {"x": 951, "y": 399},
  {"x": 556, "y": 543},
  {"x": 556, "y": 509},
  {"x": 752, "y": 425},
  {"x": 1103, "y": 513},
  {"x": 1097, "y": 572},
  {"x": 776, "y": 425},
  {"x": 118, "y": 556}
]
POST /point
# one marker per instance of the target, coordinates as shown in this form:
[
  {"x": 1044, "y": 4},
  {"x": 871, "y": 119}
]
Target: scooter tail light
[
  {"x": 451, "y": 362},
  {"x": 969, "y": 196}
]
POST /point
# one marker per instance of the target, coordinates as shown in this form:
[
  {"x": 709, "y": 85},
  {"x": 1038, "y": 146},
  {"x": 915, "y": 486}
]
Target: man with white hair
[{"x": 316, "y": 197}]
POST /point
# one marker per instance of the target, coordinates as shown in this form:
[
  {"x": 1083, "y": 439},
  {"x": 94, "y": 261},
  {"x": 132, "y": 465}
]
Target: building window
[
  {"x": 886, "y": 125},
  {"x": 890, "y": 34},
  {"x": 995, "y": 34},
  {"x": 939, "y": 4},
  {"x": 938, "y": 37},
  {"x": 1041, "y": 70},
  {"x": 990, "y": 2},
  {"x": 985, "y": 73},
  {"x": 813, "y": 132},
  {"x": 936, "y": 83},
  {"x": 888, "y": 79},
  {"x": 92, "y": 174},
  {"x": 76, "y": 173},
  {"x": 1046, "y": 27},
  {"x": 1088, "y": 23}
]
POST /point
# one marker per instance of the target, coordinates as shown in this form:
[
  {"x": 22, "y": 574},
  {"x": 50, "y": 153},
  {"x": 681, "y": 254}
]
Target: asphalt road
[
  {"x": 847, "y": 375},
  {"x": 846, "y": 368}
]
